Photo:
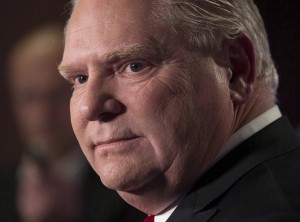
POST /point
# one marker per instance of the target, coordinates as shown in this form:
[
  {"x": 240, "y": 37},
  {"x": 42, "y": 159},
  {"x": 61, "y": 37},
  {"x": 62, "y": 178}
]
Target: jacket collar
[{"x": 274, "y": 140}]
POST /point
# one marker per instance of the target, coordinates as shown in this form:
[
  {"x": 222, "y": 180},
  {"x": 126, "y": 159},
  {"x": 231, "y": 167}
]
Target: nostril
[
  {"x": 104, "y": 112},
  {"x": 106, "y": 117},
  {"x": 113, "y": 106},
  {"x": 109, "y": 116},
  {"x": 101, "y": 106}
]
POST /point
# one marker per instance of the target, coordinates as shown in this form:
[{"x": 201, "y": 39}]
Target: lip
[{"x": 116, "y": 142}]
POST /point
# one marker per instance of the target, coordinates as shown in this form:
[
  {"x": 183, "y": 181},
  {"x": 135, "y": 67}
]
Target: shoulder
[{"x": 269, "y": 192}]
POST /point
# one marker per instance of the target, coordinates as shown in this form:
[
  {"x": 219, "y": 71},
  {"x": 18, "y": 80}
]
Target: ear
[{"x": 242, "y": 66}]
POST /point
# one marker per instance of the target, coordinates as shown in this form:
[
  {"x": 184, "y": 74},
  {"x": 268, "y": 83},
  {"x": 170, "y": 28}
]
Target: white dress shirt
[{"x": 237, "y": 138}]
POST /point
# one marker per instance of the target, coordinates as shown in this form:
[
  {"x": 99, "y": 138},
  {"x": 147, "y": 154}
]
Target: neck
[
  {"x": 261, "y": 101},
  {"x": 154, "y": 198}
]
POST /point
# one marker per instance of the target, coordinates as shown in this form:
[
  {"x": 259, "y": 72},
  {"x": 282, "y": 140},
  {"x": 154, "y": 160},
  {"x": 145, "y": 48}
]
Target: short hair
[{"x": 207, "y": 23}]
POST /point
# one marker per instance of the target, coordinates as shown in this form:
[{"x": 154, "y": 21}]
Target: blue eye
[
  {"x": 82, "y": 79},
  {"x": 135, "y": 67}
]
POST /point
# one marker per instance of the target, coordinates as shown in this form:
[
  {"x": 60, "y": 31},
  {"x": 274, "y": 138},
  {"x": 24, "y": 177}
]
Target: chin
[
  {"x": 119, "y": 182},
  {"x": 124, "y": 180}
]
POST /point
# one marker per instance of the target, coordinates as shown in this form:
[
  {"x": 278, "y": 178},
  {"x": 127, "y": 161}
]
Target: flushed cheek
[
  {"x": 153, "y": 99},
  {"x": 79, "y": 124},
  {"x": 160, "y": 114}
]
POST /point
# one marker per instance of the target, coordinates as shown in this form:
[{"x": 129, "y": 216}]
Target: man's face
[{"x": 145, "y": 109}]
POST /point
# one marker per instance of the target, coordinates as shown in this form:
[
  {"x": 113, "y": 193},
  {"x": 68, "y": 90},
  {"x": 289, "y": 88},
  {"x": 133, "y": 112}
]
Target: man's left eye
[{"x": 135, "y": 67}]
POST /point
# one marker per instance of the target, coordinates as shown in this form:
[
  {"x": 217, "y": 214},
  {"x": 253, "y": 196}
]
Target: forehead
[
  {"x": 115, "y": 9},
  {"x": 104, "y": 24},
  {"x": 110, "y": 15}
]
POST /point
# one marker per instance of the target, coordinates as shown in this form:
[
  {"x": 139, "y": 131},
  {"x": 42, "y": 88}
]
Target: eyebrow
[
  {"x": 64, "y": 68},
  {"x": 131, "y": 51}
]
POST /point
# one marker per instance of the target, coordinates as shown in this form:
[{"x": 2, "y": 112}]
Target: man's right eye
[{"x": 81, "y": 79}]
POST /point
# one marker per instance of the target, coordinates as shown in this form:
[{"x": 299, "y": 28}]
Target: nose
[{"x": 98, "y": 103}]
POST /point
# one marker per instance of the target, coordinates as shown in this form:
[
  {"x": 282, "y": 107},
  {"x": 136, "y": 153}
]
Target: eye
[
  {"x": 135, "y": 67},
  {"x": 81, "y": 79}
]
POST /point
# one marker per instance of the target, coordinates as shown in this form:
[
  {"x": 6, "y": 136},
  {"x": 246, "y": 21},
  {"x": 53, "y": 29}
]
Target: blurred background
[{"x": 18, "y": 18}]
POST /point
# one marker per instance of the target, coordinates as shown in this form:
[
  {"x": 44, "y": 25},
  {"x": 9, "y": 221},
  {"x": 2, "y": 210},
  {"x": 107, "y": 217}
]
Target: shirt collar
[
  {"x": 249, "y": 130},
  {"x": 164, "y": 217}
]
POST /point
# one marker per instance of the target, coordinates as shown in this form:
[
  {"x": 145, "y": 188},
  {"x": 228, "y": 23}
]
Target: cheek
[
  {"x": 76, "y": 120},
  {"x": 159, "y": 112},
  {"x": 79, "y": 126}
]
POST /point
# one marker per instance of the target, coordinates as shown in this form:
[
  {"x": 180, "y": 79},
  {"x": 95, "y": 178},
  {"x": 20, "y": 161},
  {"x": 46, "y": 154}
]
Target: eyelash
[
  {"x": 127, "y": 68},
  {"x": 83, "y": 77},
  {"x": 74, "y": 80},
  {"x": 132, "y": 65}
]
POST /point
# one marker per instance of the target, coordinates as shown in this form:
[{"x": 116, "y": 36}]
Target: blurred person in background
[{"x": 54, "y": 181}]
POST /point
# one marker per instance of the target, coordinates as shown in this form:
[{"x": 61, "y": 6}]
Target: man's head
[
  {"x": 159, "y": 87},
  {"x": 39, "y": 96}
]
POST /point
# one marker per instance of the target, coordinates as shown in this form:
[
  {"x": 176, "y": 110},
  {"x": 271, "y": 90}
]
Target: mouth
[{"x": 115, "y": 143}]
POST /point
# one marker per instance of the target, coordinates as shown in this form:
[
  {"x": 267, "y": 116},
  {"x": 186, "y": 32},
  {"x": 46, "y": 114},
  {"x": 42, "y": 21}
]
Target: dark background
[{"x": 18, "y": 17}]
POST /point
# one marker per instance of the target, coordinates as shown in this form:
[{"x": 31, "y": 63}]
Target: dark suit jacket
[{"x": 259, "y": 181}]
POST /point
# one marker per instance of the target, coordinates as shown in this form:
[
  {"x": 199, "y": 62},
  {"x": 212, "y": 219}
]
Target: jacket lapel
[
  {"x": 188, "y": 211},
  {"x": 199, "y": 205}
]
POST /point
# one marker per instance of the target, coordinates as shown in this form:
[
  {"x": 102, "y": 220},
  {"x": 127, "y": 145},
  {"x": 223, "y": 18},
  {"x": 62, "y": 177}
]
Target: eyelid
[
  {"x": 71, "y": 75},
  {"x": 81, "y": 75},
  {"x": 128, "y": 66},
  {"x": 72, "y": 79},
  {"x": 124, "y": 66}
]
